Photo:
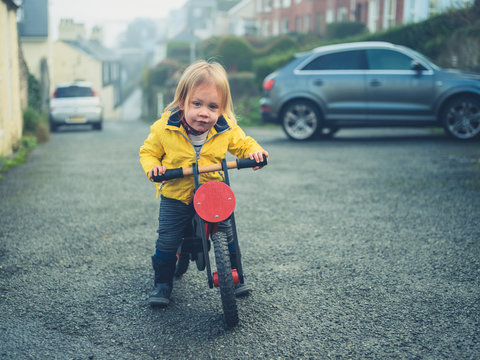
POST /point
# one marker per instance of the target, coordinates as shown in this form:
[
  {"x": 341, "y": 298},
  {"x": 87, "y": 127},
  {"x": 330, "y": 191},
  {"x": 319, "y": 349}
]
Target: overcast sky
[{"x": 112, "y": 15}]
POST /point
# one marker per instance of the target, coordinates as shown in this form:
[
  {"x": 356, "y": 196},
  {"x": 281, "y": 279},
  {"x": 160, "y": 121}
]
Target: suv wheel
[
  {"x": 301, "y": 120},
  {"x": 461, "y": 118}
]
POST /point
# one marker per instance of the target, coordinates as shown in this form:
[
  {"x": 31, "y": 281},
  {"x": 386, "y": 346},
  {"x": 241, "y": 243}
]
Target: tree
[{"x": 140, "y": 33}]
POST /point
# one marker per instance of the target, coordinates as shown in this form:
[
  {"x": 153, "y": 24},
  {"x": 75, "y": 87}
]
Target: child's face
[{"x": 203, "y": 108}]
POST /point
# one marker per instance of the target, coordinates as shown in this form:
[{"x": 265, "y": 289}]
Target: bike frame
[{"x": 208, "y": 228}]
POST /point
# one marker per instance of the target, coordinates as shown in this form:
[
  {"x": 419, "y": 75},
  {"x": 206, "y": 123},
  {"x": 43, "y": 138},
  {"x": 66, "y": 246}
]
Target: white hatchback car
[{"x": 75, "y": 103}]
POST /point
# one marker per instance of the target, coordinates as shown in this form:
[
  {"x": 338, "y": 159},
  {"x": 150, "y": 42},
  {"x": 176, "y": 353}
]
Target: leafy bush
[
  {"x": 34, "y": 93},
  {"x": 179, "y": 51},
  {"x": 160, "y": 79},
  {"x": 208, "y": 48},
  {"x": 31, "y": 120},
  {"x": 235, "y": 53},
  {"x": 266, "y": 65},
  {"x": 35, "y": 124},
  {"x": 247, "y": 111},
  {"x": 242, "y": 85},
  {"x": 19, "y": 156},
  {"x": 281, "y": 44}
]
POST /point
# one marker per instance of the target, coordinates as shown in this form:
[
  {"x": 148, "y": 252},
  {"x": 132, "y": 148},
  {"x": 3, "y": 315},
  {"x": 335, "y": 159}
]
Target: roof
[
  {"x": 352, "y": 45},
  {"x": 13, "y": 3},
  {"x": 35, "y": 19},
  {"x": 75, "y": 83},
  {"x": 94, "y": 49},
  {"x": 226, "y": 5}
]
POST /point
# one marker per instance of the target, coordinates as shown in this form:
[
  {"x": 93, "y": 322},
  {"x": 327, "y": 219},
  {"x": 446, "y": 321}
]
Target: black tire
[
  {"x": 301, "y": 120},
  {"x": 98, "y": 126},
  {"x": 224, "y": 271},
  {"x": 53, "y": 127},
  {"x": 461, "y": 118}
]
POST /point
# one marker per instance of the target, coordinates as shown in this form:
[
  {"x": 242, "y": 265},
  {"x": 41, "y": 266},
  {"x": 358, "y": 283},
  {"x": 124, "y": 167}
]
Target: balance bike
[{"x": 214, "y": 202}]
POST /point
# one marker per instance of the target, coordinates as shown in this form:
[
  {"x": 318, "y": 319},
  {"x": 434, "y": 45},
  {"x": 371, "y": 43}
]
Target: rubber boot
[
  {"x": 164, "y": 270},
  {"x": 240, "y": 289}
]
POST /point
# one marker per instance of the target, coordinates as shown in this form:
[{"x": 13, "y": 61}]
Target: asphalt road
[{"x": 366, "y": 246}]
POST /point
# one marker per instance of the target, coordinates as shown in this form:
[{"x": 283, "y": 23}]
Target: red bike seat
[{"x": 214, "y": 201}]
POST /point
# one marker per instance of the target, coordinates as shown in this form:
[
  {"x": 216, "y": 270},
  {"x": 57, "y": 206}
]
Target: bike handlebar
[{"x": 181, "y": 172}]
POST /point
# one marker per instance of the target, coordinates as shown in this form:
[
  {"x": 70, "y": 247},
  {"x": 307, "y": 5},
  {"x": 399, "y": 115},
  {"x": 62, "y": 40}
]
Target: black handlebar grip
[
  {"x": 169, "y": 175},
  {"x": 247, "y": 163}
]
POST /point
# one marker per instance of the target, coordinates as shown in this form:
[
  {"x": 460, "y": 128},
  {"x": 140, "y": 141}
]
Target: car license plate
[{"x": 77, "y": 119}]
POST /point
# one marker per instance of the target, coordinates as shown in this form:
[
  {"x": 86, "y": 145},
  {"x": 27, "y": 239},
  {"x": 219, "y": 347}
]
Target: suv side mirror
[{"x": 416, "y": 66}]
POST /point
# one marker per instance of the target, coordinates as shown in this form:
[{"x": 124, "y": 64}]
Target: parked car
[
  {"x": 366, "y": 84},
  {"x": 75, "y": 103}
]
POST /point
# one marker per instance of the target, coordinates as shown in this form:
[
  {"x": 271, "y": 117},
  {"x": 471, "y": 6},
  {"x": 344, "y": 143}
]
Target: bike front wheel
[{"x": 225, "y": 278}]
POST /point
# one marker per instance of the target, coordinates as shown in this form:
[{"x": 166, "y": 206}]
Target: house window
[
  {"x": 372, "y": 15},
  {"x": 259, "y": 6},
  {"x": 389, "y": 11},
  {"x": 330, "y": 16},
  {"x": 307, "y": 23},
  {"x": 298, "y": 24},
  {"x": 266, "y": 28},
  {"x": 287, "y": 3},
  {"x": 433, "y": 7},
  {"x": 116, "y": 95},
  {"x": 115, "y": 71},
  {"x": 276, "y": 27},
  {"x": 106, "y": 73},
  {"x": 285, "y": 26},
  {"x": 319, "y": 25},
  {"x": 276, "y": 4},
  {"x": 268, "y": 5},
  {"x": 342, "y": 14}
]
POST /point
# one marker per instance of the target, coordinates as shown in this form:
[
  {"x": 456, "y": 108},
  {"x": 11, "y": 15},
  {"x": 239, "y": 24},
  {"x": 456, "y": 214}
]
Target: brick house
[{"x": 277, "y": 17}]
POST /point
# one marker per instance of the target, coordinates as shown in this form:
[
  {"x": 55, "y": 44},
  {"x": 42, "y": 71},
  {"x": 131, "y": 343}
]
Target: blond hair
[{"x": 198, "y": 73}]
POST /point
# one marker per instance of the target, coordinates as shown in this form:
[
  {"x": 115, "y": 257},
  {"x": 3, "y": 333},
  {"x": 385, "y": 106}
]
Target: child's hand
[
  {"x": 157, "y": 171},
  {"x": 258, "y": 157}
]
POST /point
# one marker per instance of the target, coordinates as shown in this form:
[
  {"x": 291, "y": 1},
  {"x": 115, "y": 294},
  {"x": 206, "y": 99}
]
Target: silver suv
[
  {"x": 366, "y": 84},
  {"x": 75, "y": 103}
]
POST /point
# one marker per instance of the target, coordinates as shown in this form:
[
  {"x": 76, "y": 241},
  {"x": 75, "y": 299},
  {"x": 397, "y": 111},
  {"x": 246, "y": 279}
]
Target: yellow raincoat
[{"x": 169, "y": 145}]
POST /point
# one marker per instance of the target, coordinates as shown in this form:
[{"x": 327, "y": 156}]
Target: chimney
[
  {"x": 68, "y": 30},
  {"x": 97, "y": 34}
]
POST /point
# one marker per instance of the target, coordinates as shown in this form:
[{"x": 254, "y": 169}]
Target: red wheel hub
[{"x": 216, "y": 283}]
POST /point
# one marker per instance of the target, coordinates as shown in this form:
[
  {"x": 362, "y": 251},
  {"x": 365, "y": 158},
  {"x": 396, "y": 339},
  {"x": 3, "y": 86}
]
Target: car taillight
[
  {"x": 54, "y": 95},
  {"x": 268, "y": 84},
  {"x": 94, "y": 93}
]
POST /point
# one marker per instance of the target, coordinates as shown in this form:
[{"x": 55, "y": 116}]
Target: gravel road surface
[{"x": 366, "y": 246}]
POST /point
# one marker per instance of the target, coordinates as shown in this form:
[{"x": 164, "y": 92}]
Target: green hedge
[
  {"x": 429, "y": 36},
  {"x": 235, "y": 53},
  {"x": 242, "y": 85},
  {"x": 341, "y": 30}
]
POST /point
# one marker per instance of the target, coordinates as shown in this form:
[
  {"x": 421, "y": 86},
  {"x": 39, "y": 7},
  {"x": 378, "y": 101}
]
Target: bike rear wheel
[{"x": 224, "y": 271}]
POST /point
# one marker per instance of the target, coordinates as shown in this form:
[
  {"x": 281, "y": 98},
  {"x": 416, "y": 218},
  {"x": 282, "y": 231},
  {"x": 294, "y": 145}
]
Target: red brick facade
[{"x": 276, "y": 17}]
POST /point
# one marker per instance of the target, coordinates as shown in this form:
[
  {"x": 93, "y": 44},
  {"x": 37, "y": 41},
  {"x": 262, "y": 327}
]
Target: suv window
[
  {"x": 73, "y": 91},
  {"x": 345, "y": 60},
  {"x": 388, "y": 60}
]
